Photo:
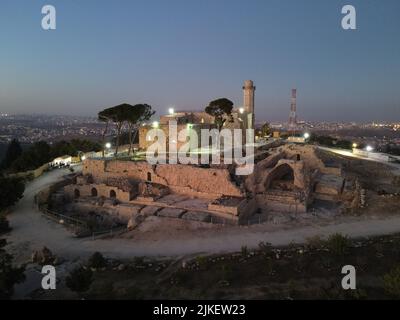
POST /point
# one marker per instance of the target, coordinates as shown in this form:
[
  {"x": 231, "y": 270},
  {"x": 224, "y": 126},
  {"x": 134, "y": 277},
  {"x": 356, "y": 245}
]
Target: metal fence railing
[
  {"x": 60, "y": 218},
  {"x": 109, "y": 232}
]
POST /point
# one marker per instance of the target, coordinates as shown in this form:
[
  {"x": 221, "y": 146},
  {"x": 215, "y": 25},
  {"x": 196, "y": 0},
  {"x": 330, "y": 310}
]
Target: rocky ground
[{"x": 309, "y": 271}]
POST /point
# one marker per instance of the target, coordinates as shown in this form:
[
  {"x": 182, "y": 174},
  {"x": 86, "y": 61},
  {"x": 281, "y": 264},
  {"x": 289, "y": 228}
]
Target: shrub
[
  {"x": 4, "y": 225},
  {"x": 9, "y": 275},
  {"x": 138, "y": 261},
  {"x": 338, "y": 244},
  {"x": 201, "y": 260},
  {"x": 391, "y": 282},
  {"x": 314, "y": 242},
  {"x": 265, "y": 247},
  {"x": 11, "y": 190},
  {"x": 244, "y": 251},
  {"x": 79, "y": 280},
  {"x": 97, "y": 261}
]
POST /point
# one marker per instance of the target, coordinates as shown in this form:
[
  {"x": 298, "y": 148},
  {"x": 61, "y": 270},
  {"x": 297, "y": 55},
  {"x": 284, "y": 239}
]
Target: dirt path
[{"x": 32, "y": 231}]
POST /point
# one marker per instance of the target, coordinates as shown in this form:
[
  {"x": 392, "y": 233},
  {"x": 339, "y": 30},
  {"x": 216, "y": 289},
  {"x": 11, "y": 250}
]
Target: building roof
[{"x": 64, "y": 157}]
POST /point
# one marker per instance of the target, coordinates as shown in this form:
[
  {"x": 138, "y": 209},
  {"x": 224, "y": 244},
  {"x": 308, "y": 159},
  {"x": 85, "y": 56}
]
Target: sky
[{"x": 185, "y": 53}]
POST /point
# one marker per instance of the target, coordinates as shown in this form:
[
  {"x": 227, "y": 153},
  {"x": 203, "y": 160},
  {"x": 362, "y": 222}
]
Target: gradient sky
[{"x": 187, "y": 52}]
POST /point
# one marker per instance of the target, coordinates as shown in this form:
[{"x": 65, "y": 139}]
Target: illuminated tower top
[{"x": 248, "y": 102}]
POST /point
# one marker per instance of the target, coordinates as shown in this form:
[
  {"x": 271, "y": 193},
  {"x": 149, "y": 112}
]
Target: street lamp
[
  {"x": 241, "y": 110},
  {"x": 171, "y": 111},
  {"x": 108, "y": 145},
  {"x": 155, "y": 124},
  {"x": 83, "y": 158},
  {"x": 369, "y": 148},
  {"x": 306, "y": 135},
  {"x": 355, "y": 145}
]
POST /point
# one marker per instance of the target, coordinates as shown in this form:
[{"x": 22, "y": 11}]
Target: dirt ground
[{"x": 310, "y": 271}]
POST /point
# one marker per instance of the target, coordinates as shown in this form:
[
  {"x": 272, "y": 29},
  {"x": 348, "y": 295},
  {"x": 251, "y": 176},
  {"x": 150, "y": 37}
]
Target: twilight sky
[{"x": 184, "y": 53}]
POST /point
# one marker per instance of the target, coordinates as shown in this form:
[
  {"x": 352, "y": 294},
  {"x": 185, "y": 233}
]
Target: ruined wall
[
  {"x": 282, "y": 202},
  {"x": 102, "y": 191},
  {"x": 242, "y": 206},
  {"x": 282, "y": 167},
  {"x": 307, "y": 153},
  {"x": 255, "y": 179},
  {"x": 271, "y": 168},
  {"x": 186, "y": 179}
]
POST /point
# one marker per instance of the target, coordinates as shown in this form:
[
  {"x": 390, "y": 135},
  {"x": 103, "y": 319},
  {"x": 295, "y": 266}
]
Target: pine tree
[{"x": 14, "y": 150}]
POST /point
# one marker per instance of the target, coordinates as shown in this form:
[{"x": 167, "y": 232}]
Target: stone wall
[
  {"x": 271, "y": 168},
  {"x": 186, "y": 179},
  {"x": 31, "y": 173},
  {"x": 309, "y": 155},
  {"x": 236, "y": 208},
  {"x": 43, "y": 196},
  {"x": 102, "y": 190},
  {"x": 283, "y": 202}
]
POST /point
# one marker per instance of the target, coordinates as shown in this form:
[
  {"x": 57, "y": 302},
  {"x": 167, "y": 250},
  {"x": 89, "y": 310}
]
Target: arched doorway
[
  {"x": 113, "y": 194},
  {"x": 280, "y": 178},
  {"x": 94, "y": 192},
  {"x": 77, "y": 193}
]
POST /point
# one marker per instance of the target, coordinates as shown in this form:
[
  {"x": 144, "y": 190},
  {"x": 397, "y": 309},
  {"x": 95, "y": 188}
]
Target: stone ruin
[{"x": 285, "y": 179}]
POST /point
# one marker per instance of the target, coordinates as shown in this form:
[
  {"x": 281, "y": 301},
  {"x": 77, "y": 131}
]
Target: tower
[
  {"x": 292, "y": 115},
  {"x": 248, "y": 102}
]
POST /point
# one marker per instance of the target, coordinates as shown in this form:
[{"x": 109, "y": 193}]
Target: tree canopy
[
  {"x": 11, "y": 190},
  {"x": 41, "y": 152},
  {"x": 37, "y": 155},
  {"x": 14, "y": 150},
  {"x": 9, "y": 275},
  {"x": 266, "y": 129},
  {"x": 128, "y": 114},
  {"x": 219, "y": 109}
]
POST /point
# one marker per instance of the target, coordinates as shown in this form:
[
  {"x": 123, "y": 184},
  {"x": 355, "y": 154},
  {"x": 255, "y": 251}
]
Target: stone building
[
  {"x": 241, "y": 118},
  {"x": 286, "y": 179}
]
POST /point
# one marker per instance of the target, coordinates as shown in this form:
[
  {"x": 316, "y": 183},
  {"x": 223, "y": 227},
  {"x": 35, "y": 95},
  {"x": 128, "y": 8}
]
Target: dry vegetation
[{"x": 311, "y": 271}]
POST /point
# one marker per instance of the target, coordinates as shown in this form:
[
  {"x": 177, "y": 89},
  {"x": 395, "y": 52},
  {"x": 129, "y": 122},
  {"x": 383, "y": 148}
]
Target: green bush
[
  {"x": 314, "y": 243},
  {"x": 201, "y": 260},
  {"x": 4, "y": 225},
  {"x": 338, "y": 244},
  {"x": 79, "y": 280},
  {"x": 391, "y": 282},
  {"x": 11, "y": 190},
  {"x": 244, "y": 251},
  {"x": 265, "y": 247},
  {"x": 97, "y": 261},
  {"x": 9, "y": 275}
]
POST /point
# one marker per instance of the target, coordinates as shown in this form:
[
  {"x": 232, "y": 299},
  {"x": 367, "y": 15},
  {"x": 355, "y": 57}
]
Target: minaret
[
  {"x": 292, "y": 115},
  {"x": 248, "y": 102}
]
